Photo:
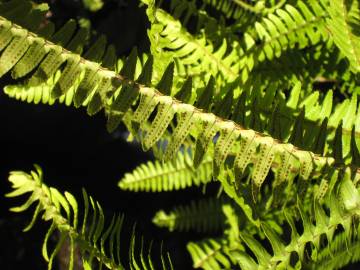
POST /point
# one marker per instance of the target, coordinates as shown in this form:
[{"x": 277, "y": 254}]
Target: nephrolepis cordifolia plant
[{"x": 260, "y": 97}]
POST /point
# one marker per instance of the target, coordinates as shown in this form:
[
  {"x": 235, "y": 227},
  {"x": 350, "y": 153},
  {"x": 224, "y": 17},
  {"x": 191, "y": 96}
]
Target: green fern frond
[
  {"x": 212, "y": 22},
  {"x": 313, "y": 65},
  {"x": 105, "y": 87},
  {"x": 213, "y": 254},
  {"x": 344, "y": 25},
  {"x": 202, "y": 216},
  {"x": 343, "y": 202},
  {"x": 196, "y": 55},
  {"x": 235, "y": 9},
  {"x": 97, "y": 242},
  {"x": 157, "y": 177},
  {"x": 40, "y": 93},
  {"x": 338, "y": 253},
  {"x": 290, "y": 26}
]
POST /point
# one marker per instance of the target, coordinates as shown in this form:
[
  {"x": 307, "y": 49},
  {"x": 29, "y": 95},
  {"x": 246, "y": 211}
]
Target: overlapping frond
[
  {"x": 340, "y": 252},
  {"x": 300, "y": 25},
  {"x": 211, "y": 254},
  {"x": 344, "y": 26},
  {"x": 98, "y": 242},
  {"x": 202, "y": 216},
  {"x": 102, "y": 87},
  {"x": 271, "y": 148},
  {"x": 196, "y": 56},
  {"x": 154, "y": 176},
  {"x": 229, "y": 17},
  {"x": 342, "y": 205}
]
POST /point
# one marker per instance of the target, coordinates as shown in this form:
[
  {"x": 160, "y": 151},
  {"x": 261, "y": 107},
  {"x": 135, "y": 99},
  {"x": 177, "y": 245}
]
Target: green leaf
[
  {"x": 343, "y": 26},
  {"x": 276, "y": 242},
  {"x": 13, "y": 53},
  {"x": 208, "y": 131},
  {"x": 204, "y": 101},
  {"x": 68, "y": 77},
  {"x": 245, "y": 153},
  {"x": 320, "y": 140},
  {"x": 185, "y": 122},
  {"x": 355, "y": 155},
  {"x": 34, "y": 54},
  {"x": 265, "y": 156},
  {"x": 146, "y": 106},
  {"x": 228, "y": 136},
  {"x": 166, "y": 82},
  {"x": 296, "y": 137},
  {"x": 184, "y": 93},
  {"x": 259, "y": 251},
  {"x": 165, "y": 114},
  {"x": 349, "y": 194},
  {"x": 337, "y": 145},
  {"x": 120, "y": 105}
]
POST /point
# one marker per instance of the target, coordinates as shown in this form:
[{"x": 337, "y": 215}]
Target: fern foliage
[
  {"x": 344, "y": 27},
  {"x": 227, "y": 107},
  {"x": 90, "y": 83},
  {"x": 342, "y": 212},
  {"x": 342, "y": 251},
  {"x": 157, "y": 177},
  {"x": 287, "y": 27},
  {"x": 210, "y": 254},
  {"x": 98, "y": 242},
  {"x": 197, "y": 55},
  {"x": 202, "y": 216}
]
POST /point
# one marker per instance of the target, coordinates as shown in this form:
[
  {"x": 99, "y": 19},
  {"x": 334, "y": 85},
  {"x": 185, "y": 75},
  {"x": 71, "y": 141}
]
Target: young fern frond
[
  {"x": 98, "y": 243},
  {"x": 172, "y": 175},
  {"x": 202, "y": 216}
]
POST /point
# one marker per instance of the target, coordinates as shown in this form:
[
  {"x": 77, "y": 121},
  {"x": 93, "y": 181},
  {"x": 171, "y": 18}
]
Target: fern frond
[
  {"x": 173, "y": 175},
  {"x": 211, "y": 254},
  {"x": 234, "y": 9},
  {"x": 95, "y": 240},
  {"x": 237, "y": 18},
  {"x": 344, "y": 24},
  {"x": 200, "y": 123},
  {"x": 202, "y": 216},
  {"x": 40, "y": 93},
  {"x": 195, "y": 55},
  {"x": 290, "y": 26},
  {"x": 343, "y": 204},
  {"x": 338, "y": 253}
]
